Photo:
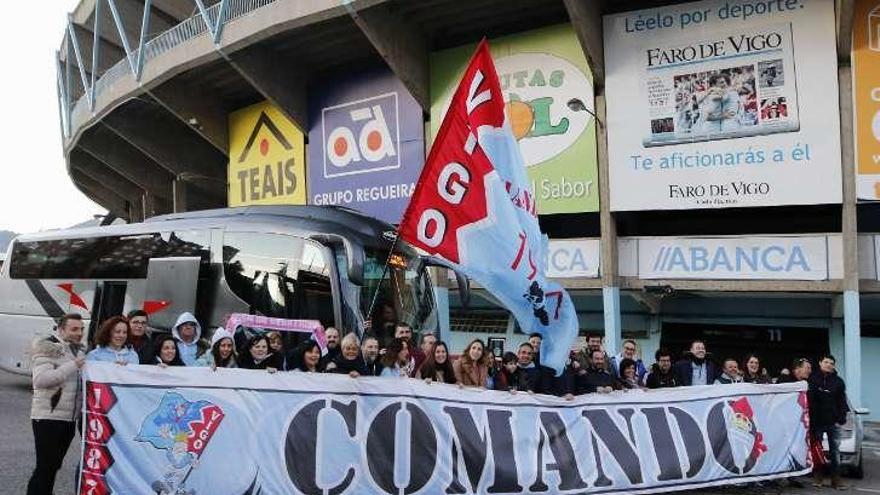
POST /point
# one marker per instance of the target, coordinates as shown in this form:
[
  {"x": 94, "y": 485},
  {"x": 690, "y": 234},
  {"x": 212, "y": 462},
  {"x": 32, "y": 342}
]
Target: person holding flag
[{"x": 473, "y": 207}]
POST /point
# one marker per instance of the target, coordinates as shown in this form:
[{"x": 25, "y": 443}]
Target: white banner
[
  {"x": 574, "y": 258},
  {"x": 723, "y": 103},
  {"x": 741, "y": 258},
  {"x": 231, "y": 432}
]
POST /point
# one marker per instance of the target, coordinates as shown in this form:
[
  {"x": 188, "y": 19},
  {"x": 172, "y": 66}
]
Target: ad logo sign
[
  {"x": 361, "y": 136},
  {"x": 367, "y": 141}
]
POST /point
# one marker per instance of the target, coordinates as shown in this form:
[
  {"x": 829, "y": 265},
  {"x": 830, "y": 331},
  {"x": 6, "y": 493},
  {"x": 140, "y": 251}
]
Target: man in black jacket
[
  {"x": 141, "y": 337},
  {"x": 370, "y": 355},
  {"x": 596, "y": 377},
  {"x": 696, "y": 369},
  {"x": 661, "y": 375},
  {"x": 828, "y": 408}
]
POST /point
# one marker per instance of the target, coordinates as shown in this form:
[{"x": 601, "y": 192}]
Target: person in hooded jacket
[
  {"x": 188, "y": 334},
  {"x": 55, "y": 364},
  {"x": 348, "y": 361},
  {"x": 223, "y": 353}
]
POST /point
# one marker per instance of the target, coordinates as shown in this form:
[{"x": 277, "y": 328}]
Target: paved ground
[
  {"x": 17, "y": 452},
  {"x": 17, "y": 444}
]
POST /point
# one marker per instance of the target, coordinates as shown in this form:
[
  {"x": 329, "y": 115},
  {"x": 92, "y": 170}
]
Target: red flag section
[
  {"x": 151, "y": 307},
  {"x": 451, "y": 191},
  {"x": 75, "y": 300},
  {"x": 203, "y": 430}
]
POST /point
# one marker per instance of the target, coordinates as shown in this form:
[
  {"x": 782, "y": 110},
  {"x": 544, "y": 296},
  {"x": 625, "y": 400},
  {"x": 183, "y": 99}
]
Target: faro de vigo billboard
[
  {"x": 723, "y": 103},
  {"x": 266, "y": 158},
  {"x": 366, "y": 144},
  {"x": 549, "y": 93},
  {"x": 866, "y": 96}
]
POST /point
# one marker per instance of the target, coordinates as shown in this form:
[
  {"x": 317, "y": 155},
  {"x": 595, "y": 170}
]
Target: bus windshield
[{"x": 398, "y": 288}]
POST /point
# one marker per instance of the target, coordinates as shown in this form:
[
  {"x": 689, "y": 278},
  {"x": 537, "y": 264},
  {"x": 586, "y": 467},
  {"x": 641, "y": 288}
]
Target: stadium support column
[
  {"x": 276, "y": 78},
  {"x": 586, "y": 18},
  {"x": 400, "y": 44},
  {"x": 136, "y": 210},
  {"x": 179, "y": 188},
  {"x": 610, "y": 277},
  {"x": 851, "y": 313}
]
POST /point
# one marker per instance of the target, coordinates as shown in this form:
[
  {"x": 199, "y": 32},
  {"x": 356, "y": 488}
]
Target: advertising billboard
[
  {"x": 866, "y": 97},
  {"x": 739, "y": 258},
  {"x": 266, "y": 158},
  {"x": 366, "y": 144},
  {"x": 549, "y": 93},
  {"x": 723, "y": 103}
]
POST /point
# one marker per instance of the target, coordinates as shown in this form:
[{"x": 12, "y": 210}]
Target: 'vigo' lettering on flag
[{"x": 475, "y": 207}]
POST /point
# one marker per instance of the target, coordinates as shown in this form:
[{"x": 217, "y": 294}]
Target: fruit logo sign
[
  {"x": 549, "y": 95},
  {"x": 367, "y": 144},
  {"x": 266, "y": 158}
]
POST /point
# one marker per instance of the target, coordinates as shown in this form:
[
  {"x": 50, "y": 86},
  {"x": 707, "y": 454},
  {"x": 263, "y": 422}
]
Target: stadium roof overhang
[{"x": 145, "y": 119}]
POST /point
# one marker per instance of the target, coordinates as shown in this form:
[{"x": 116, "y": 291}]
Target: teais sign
[{"x": 266, "y": 158}]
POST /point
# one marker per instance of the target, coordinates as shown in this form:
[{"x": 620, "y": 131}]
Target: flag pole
[{"x": 384, "y": 272}]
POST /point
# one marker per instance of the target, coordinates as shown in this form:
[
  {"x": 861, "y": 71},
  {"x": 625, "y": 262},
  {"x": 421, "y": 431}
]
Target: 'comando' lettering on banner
[{"x": 304, "y": 433}]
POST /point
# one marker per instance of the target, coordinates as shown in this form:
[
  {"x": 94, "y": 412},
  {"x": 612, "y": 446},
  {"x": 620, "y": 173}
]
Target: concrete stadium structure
[{"x": 145, "y": 96}]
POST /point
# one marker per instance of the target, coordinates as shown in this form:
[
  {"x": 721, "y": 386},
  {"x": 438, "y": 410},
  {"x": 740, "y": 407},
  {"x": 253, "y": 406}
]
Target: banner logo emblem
[
  {"x": 182, "y": 429},
  {"x": 361, "y": 136}
]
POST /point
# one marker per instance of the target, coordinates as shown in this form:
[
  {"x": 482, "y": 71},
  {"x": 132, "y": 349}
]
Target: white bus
[{"x": 299, "y": 262}]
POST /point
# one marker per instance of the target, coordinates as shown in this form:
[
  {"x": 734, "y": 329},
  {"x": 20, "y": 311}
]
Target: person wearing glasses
[
  {"x": 140, "y": 338},
  {"x": 629, "y": 352}
]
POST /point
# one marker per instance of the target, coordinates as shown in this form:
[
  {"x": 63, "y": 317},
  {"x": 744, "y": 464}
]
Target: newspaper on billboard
[{"x": 733, "y": 85}]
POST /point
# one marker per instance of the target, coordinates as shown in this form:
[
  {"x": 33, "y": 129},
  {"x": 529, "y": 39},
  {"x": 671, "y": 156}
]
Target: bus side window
[{"x": 278, "y": 275}]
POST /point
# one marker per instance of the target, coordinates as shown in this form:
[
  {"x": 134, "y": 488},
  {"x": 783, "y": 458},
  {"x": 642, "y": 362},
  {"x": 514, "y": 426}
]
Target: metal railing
[{"x": 208, "y": 20}]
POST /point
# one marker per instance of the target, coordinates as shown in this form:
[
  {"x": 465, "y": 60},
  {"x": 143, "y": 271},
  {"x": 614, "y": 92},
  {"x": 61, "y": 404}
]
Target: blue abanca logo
[{"x": 739, "y": 259}]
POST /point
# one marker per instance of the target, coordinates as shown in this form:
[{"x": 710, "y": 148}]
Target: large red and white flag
[{"x": 474, "y": 206}]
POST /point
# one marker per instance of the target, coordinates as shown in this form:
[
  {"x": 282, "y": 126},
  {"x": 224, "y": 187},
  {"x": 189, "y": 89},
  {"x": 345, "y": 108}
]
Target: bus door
[
  {"x": 109, "y": 301},
  {"x": 172, "y": 285}
]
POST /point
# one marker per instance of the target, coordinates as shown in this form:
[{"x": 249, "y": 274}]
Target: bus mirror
[
  {"x": 464, "y": 284},
  {"x": 354, "y": 253},
  {"x": 464, "y": 288},
  {"x": 171, "y": 285}
]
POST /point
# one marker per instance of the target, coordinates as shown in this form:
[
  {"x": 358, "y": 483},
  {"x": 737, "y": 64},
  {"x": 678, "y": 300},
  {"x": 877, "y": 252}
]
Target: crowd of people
[{"x": 127, "y": 340}]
